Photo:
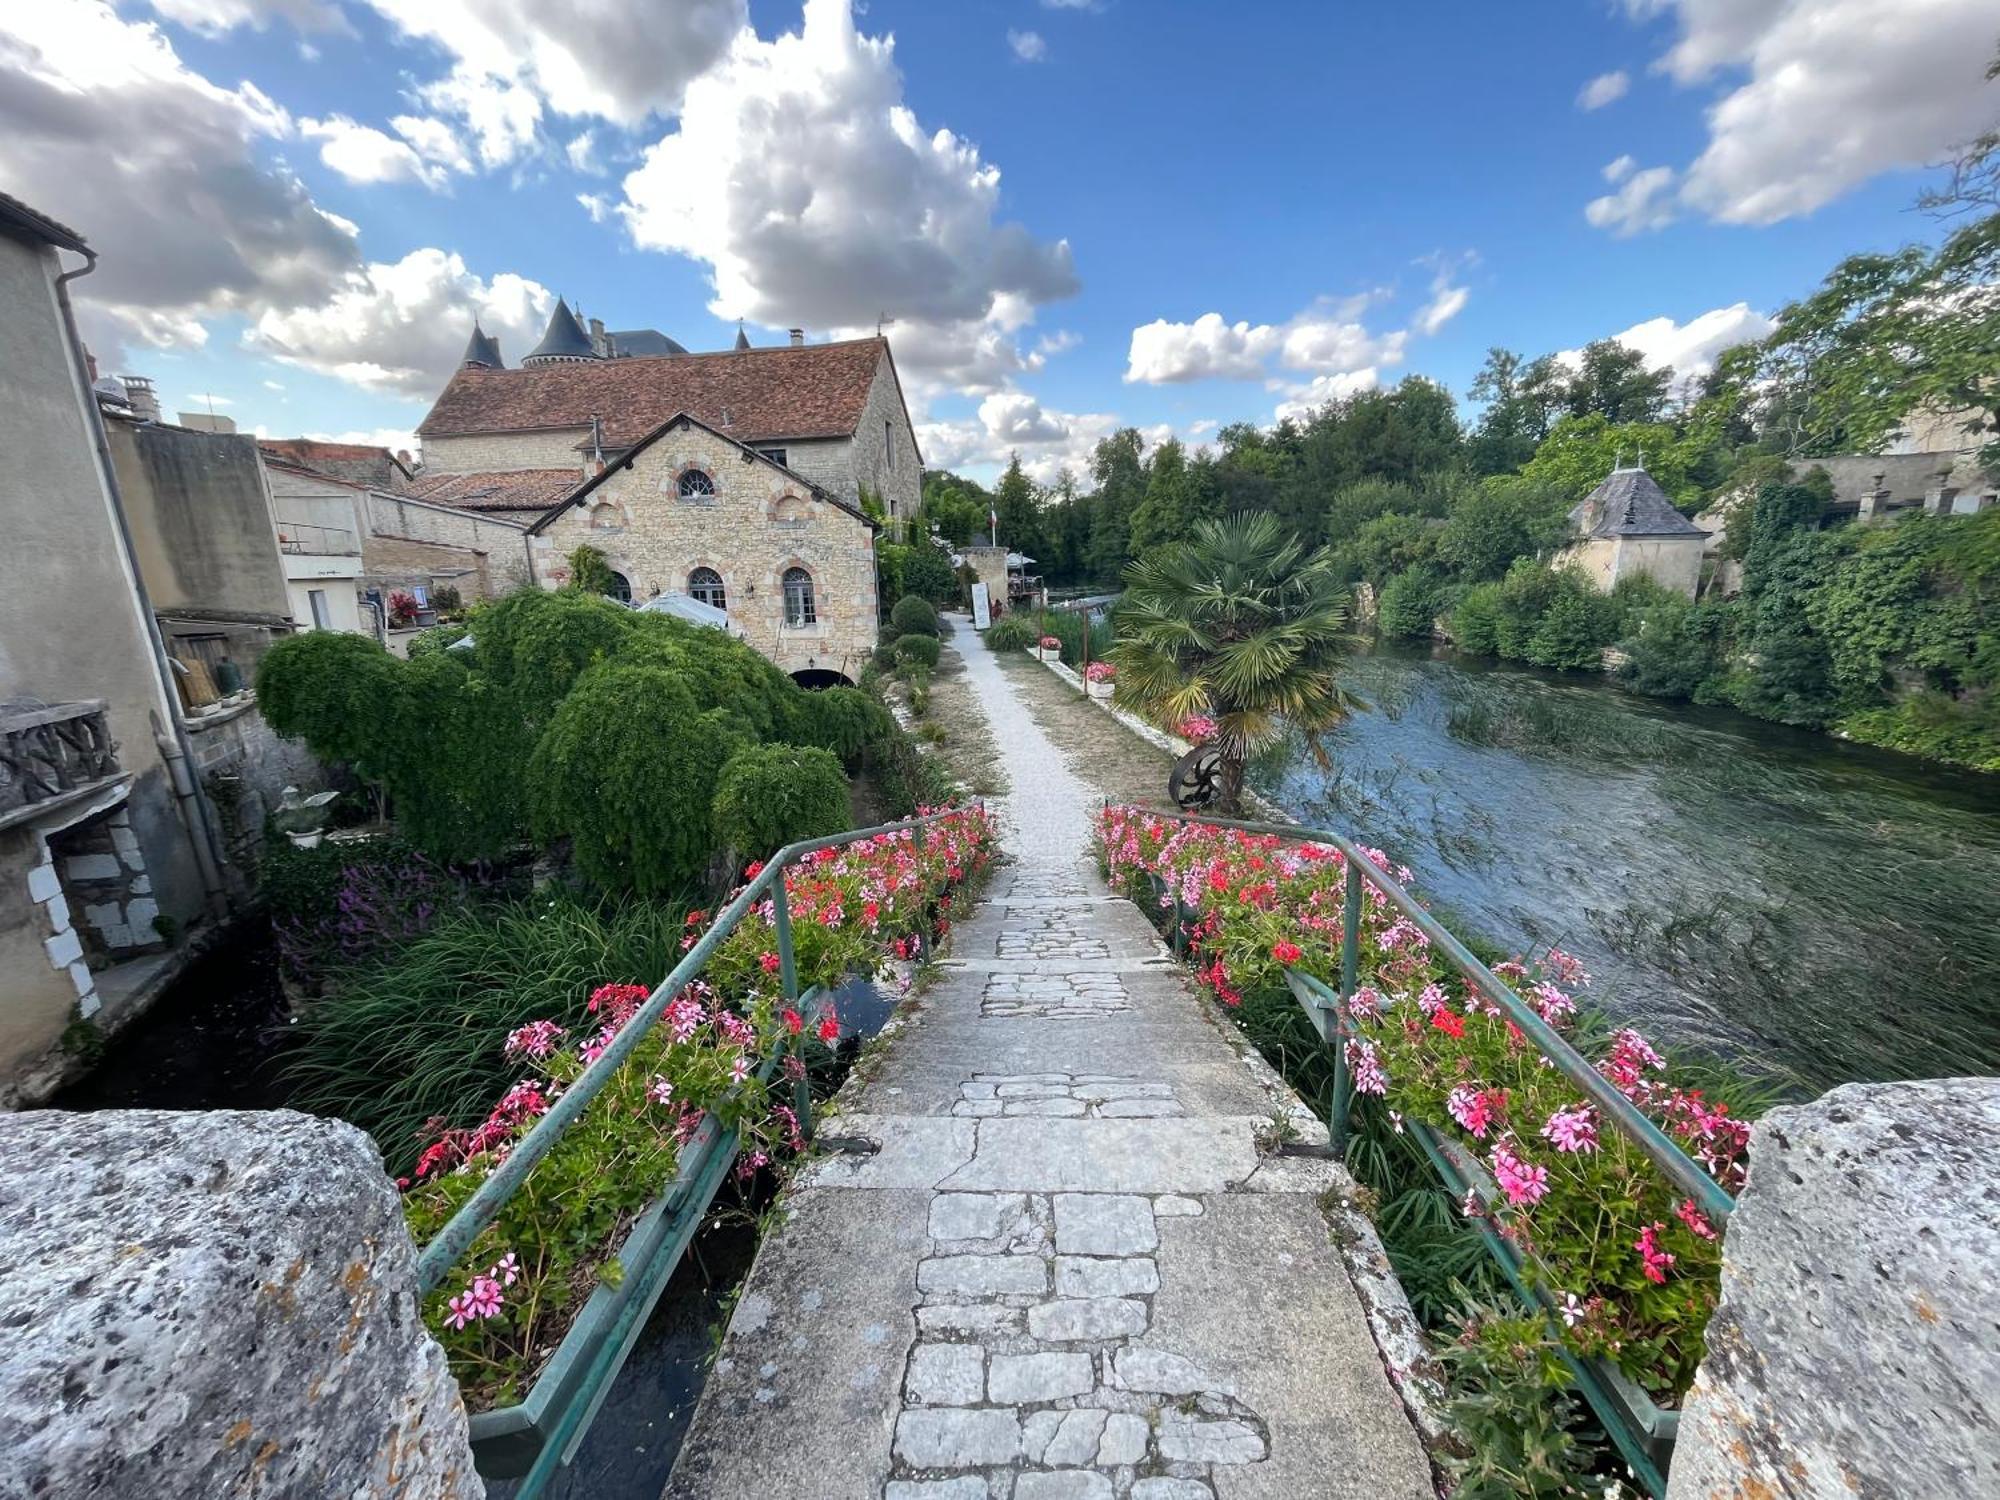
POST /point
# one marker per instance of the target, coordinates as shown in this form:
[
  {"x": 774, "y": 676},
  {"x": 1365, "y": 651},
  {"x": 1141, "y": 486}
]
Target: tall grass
[{"x": 420, "y": 1036}]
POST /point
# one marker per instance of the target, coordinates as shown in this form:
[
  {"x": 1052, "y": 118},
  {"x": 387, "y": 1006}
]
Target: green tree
[
  {"x": 1489, "y": 526},
  {"x": 1388, "y": 545},
  {"x": 1242, "y": 623},
  {"x": 1172, "y": 502},
  {"x": 769, "y": 796},
  {"x": 1581, "y": 451},
  {"x": 927, "y": 573},
  {"x": 1522, "y": 399},
  {"x": 1409, "y": 604},
  {"x": 589, "y": 573},
  {"x": 1611, "y": 381},
  {"x": 955, "y": 508},
  {"x": 1119, "y": 473},
  {"x": 1018, "y": 510}
]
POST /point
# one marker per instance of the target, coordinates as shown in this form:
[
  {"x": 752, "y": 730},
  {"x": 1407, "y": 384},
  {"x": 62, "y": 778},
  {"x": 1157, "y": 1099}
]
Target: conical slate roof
[
  {"x": 742, "y": 339},
  {"x": 1630, "y": 502},
  {"x": 482, "y": 349},
  {"x": 564, "y": 339}
]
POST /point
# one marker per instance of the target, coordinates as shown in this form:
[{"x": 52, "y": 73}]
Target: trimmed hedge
[
  {"x": 921, "y": 649},
  {"x": 772, "y": 795},
  {"x": 913, "y": 616}
]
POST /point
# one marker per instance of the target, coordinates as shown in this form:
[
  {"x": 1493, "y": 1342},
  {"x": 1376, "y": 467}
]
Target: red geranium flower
[{"x": 1285, "y": 952}]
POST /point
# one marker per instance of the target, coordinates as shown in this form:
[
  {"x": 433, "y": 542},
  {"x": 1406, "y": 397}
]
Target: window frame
[
  {"x": 779, "y": 456},
  {"x": 806, "y": 614},
  {"x": 696, "y": 585},
  {"x": 681, "y": 480}
]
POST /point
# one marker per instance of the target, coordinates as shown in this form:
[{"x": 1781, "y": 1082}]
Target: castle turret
[
  {"x": 563, "y": 342},
  {"x": 482, "y": 350}
]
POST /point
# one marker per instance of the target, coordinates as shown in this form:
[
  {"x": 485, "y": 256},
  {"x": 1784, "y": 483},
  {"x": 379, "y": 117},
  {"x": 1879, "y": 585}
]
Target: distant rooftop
[{"x": 1630, "y": 503}]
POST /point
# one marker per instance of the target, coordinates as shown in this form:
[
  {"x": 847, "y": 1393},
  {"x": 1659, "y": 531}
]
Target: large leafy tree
[
  {"x": 1242, "y": 624},
  {"x": 1611, "y": 381}
]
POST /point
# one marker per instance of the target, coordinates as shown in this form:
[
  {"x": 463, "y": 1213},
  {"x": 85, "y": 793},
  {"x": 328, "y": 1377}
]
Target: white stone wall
[
  {"x": 1673, "y": 562},
  {"x": 418, "y": 521},
  {"x": 888, "y": 467},
  {"x": 758, "y": 524}
]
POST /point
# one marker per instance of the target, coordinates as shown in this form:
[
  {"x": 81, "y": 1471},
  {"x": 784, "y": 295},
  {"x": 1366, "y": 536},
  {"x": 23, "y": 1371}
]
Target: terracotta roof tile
[
  {"x": 791, "y": 391},
  {"x": 508, "y": 489}
]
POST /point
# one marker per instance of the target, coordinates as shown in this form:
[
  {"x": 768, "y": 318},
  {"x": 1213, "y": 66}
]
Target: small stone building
[
  {"x": 686, "y": 509},
  {"x": 1628, "y": 526}
]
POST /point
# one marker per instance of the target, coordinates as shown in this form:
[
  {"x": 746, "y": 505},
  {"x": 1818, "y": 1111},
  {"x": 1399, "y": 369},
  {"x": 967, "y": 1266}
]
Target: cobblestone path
[{"x": 1064, "y": 1264}]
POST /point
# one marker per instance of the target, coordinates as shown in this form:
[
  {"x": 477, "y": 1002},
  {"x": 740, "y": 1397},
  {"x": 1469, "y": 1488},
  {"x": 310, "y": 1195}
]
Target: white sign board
[{"x": 982, "y": 607}]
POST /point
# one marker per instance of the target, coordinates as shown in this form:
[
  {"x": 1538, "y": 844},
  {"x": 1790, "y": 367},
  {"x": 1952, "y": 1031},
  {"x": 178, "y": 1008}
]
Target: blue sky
[{"x": 300, "y": 203}]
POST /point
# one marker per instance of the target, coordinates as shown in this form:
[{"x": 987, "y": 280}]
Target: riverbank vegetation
[{"x": 1884, "y": 633}]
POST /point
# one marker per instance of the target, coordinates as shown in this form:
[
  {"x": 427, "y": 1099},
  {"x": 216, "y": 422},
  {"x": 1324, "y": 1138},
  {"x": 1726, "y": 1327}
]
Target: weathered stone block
[
  {"x": 1090, "y": 1318},
  {"x": 982, "y": 1275},
  {"x": 1853, "y": 1350},
  {"x": 1024, "y": 1379},
  {"x": 958, "y": 1438},
  {"x": 194, "y": 1305},
  {"x": 946, "y": 1374},
  {"x": 1104, "y": 1224}
]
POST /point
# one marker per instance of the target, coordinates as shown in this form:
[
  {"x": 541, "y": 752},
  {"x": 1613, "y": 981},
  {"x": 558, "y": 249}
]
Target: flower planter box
[
  {"x": 1042, "y": 655},
  {"x": 509, "y": 1441},
  {"x": 1101, "y": 691}
]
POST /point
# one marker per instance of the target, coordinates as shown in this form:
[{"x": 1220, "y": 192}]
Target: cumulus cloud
[
  {"x": 1619, "y": 168},
  {"x": 581, "y": 153},
  {"x": 104, "y": 127},
  {"x": 1010, "y": 423},
  {"x": 400, "y": 327},
  {"x": 582, "y": 57},
  {"x": 363, "y": 154},
  {"x": 1028, "y": 46},
  {"x": 1605, "y": 88},
  {"x": 1833, "y": 92},
  {"x": 1304, "y": 400},
  {"x": 1689, "y": 349},
  {"x": 1328, "y": 338},
  {"x": 213, "y": 17},
  {"x": 799, "y": 176},
  {"x": 1645, "y": 200}
]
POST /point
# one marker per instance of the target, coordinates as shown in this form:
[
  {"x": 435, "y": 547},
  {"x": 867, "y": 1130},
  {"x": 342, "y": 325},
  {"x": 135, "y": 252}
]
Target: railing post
[
  {"x": 1350, "y": 973},
  {"x": 788, "y": 983}
]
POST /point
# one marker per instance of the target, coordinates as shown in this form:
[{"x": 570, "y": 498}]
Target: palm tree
[{"x": 1240, "y": 624}]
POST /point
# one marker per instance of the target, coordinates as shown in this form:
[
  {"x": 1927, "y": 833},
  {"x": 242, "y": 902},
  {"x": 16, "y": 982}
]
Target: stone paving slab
[{"x": 1059, "y": 1266}]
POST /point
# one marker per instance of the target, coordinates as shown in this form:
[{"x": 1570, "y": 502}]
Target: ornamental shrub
[
  {"x": 627, "y": 772},
  {"x": 771, "y": 795},
  {"x": 1574, "y": 631},
  {"x": 1408, "y": 604},
  {"x": 844, "y": 720},
  {"x": 1475, "y": 620},
  {"x": 1012, "y": 632},
  {"x": 331, "y": 690},
  {"x": 534, "y": 643},
  {"x": 720, "y": 670},
  {"x": 913, "y": 616},
  {"x": 920, "y": 649}
]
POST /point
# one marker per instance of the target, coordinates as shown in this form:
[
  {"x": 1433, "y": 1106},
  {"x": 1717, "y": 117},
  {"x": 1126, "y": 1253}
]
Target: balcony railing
[
  {"x": 49, "y": 752},
  {"x": 319, "y": 541}
]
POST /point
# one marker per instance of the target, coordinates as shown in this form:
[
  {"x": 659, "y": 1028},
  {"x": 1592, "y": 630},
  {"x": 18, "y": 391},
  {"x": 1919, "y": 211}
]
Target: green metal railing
[
  {"x": 542, "y": 1433},
  {"x": 1643, "y": 1431}
]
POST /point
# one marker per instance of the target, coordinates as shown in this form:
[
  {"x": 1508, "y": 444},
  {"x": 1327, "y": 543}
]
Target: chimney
[
  {"x": 798, "y": 336},
  {"x": 597, "y": 340},
  {"x": 90, "y": 364},
  {"x": 144, "y": 401}
]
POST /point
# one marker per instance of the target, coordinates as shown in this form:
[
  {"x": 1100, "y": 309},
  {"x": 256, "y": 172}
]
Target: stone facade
[
  {"x": 1673, "y": 562},
  {"x": 471, "y": 453},
  {"x": 760, "y": 522}
]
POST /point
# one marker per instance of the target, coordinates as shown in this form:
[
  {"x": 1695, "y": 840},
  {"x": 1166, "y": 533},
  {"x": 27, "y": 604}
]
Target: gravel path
[{"x": 1061, "y": 1264}]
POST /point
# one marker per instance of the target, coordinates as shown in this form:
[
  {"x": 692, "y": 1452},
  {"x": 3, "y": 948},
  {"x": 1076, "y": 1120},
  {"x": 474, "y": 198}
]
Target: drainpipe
[{"x": 176, "y": 749}]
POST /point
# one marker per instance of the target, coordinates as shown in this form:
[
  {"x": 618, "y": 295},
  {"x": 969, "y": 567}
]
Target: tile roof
[
  {"x": 1630, "y": 502},
  {"x": 507, "y": 489},
  {"x": 791, "y": 391},
  {"x": 41, "y": 226},
  {"x": 355, "y": 463}
]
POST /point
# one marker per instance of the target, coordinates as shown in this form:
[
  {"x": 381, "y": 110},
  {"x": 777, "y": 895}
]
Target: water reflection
[{"x": 1738, "y": 885}]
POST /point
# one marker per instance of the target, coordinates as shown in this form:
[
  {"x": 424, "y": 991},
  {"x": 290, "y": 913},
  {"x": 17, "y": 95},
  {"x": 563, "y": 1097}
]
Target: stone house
[
  {"x": 388, "y": 542},
  {"x": 1627, "y": 526},
  {"x": 832, "y": 413},
  {"x": 688, "y": 509}
]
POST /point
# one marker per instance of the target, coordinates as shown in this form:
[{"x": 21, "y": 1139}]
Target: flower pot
[
  {"x": 307, "y": 840},
  {"x": 1101, "y": 691}
]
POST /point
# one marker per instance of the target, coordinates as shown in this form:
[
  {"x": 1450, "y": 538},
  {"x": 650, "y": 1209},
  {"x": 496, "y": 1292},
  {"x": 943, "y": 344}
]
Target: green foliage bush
[
  {"x": 1408, "y": 604},
  {"x": 847, "y": 721},
  {"x": 922, "y": 650},
  {"x": 534, "y": 643},
  {"x": 771, "y": 795},
  {"x": 1475, "y": 620},
  {"x": 589, "y": 573},
  {"x": 913, "y": 616},
  {"x": 1014, "y": 631},
  {"x": 327, "y": 688},
  {"x": 927, "y": 573},
  {"x": 627, "y": 773}
]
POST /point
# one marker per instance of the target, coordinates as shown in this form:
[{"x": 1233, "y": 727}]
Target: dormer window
[{"x": 695, "y": 484}]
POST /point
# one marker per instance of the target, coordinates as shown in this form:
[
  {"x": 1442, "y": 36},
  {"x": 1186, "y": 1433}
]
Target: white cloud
[
  {"x": 103, "y": 127},
  {"x": 1834, "y": 92},
  {"x": 1605, "y": 88},
  {"x": 502, "y": 115},
  {"x": 206, "y": 398},
  {"x": 596, "y": 205},
  {"x": 400, "y": 327},
  {"x": 273, "y": 385},
  {"x": 594, "y": 58},
  {"x": 363, "y": 154},
  {"x": 433, "y": 140},
  {"x": 1447, "y": 300},
  {"x": 1645, "y": 201},
  {"x": 1012, "y": 422},
  {"x": 1304, "y": 400},
  {"x": 1327, "y": 338},
  {"x": 1619, "y": 168},
  {"x": 582, "y": 154},
  {"x": 1059, "y": 341},
  {"x": 1028, "y": 46},
  {"x": 213, "y": 17},
  {"x": 1689, "y": 349},
  {"x": 808, "y": 187}
]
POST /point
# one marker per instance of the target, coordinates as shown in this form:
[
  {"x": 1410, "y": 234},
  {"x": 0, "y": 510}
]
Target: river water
[{"x": 1828, "y": 910}]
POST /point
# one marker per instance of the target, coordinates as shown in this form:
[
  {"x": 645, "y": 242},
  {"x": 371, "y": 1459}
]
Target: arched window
[
  {"x": 621, "y": 587},
  {"x": 706, "y": 585},
  {"x": 696, "y": 485},
  {"x": 799, "y": 598}
]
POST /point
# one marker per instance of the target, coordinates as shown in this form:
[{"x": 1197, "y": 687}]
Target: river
[{"x": 1826, "y": 909}]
